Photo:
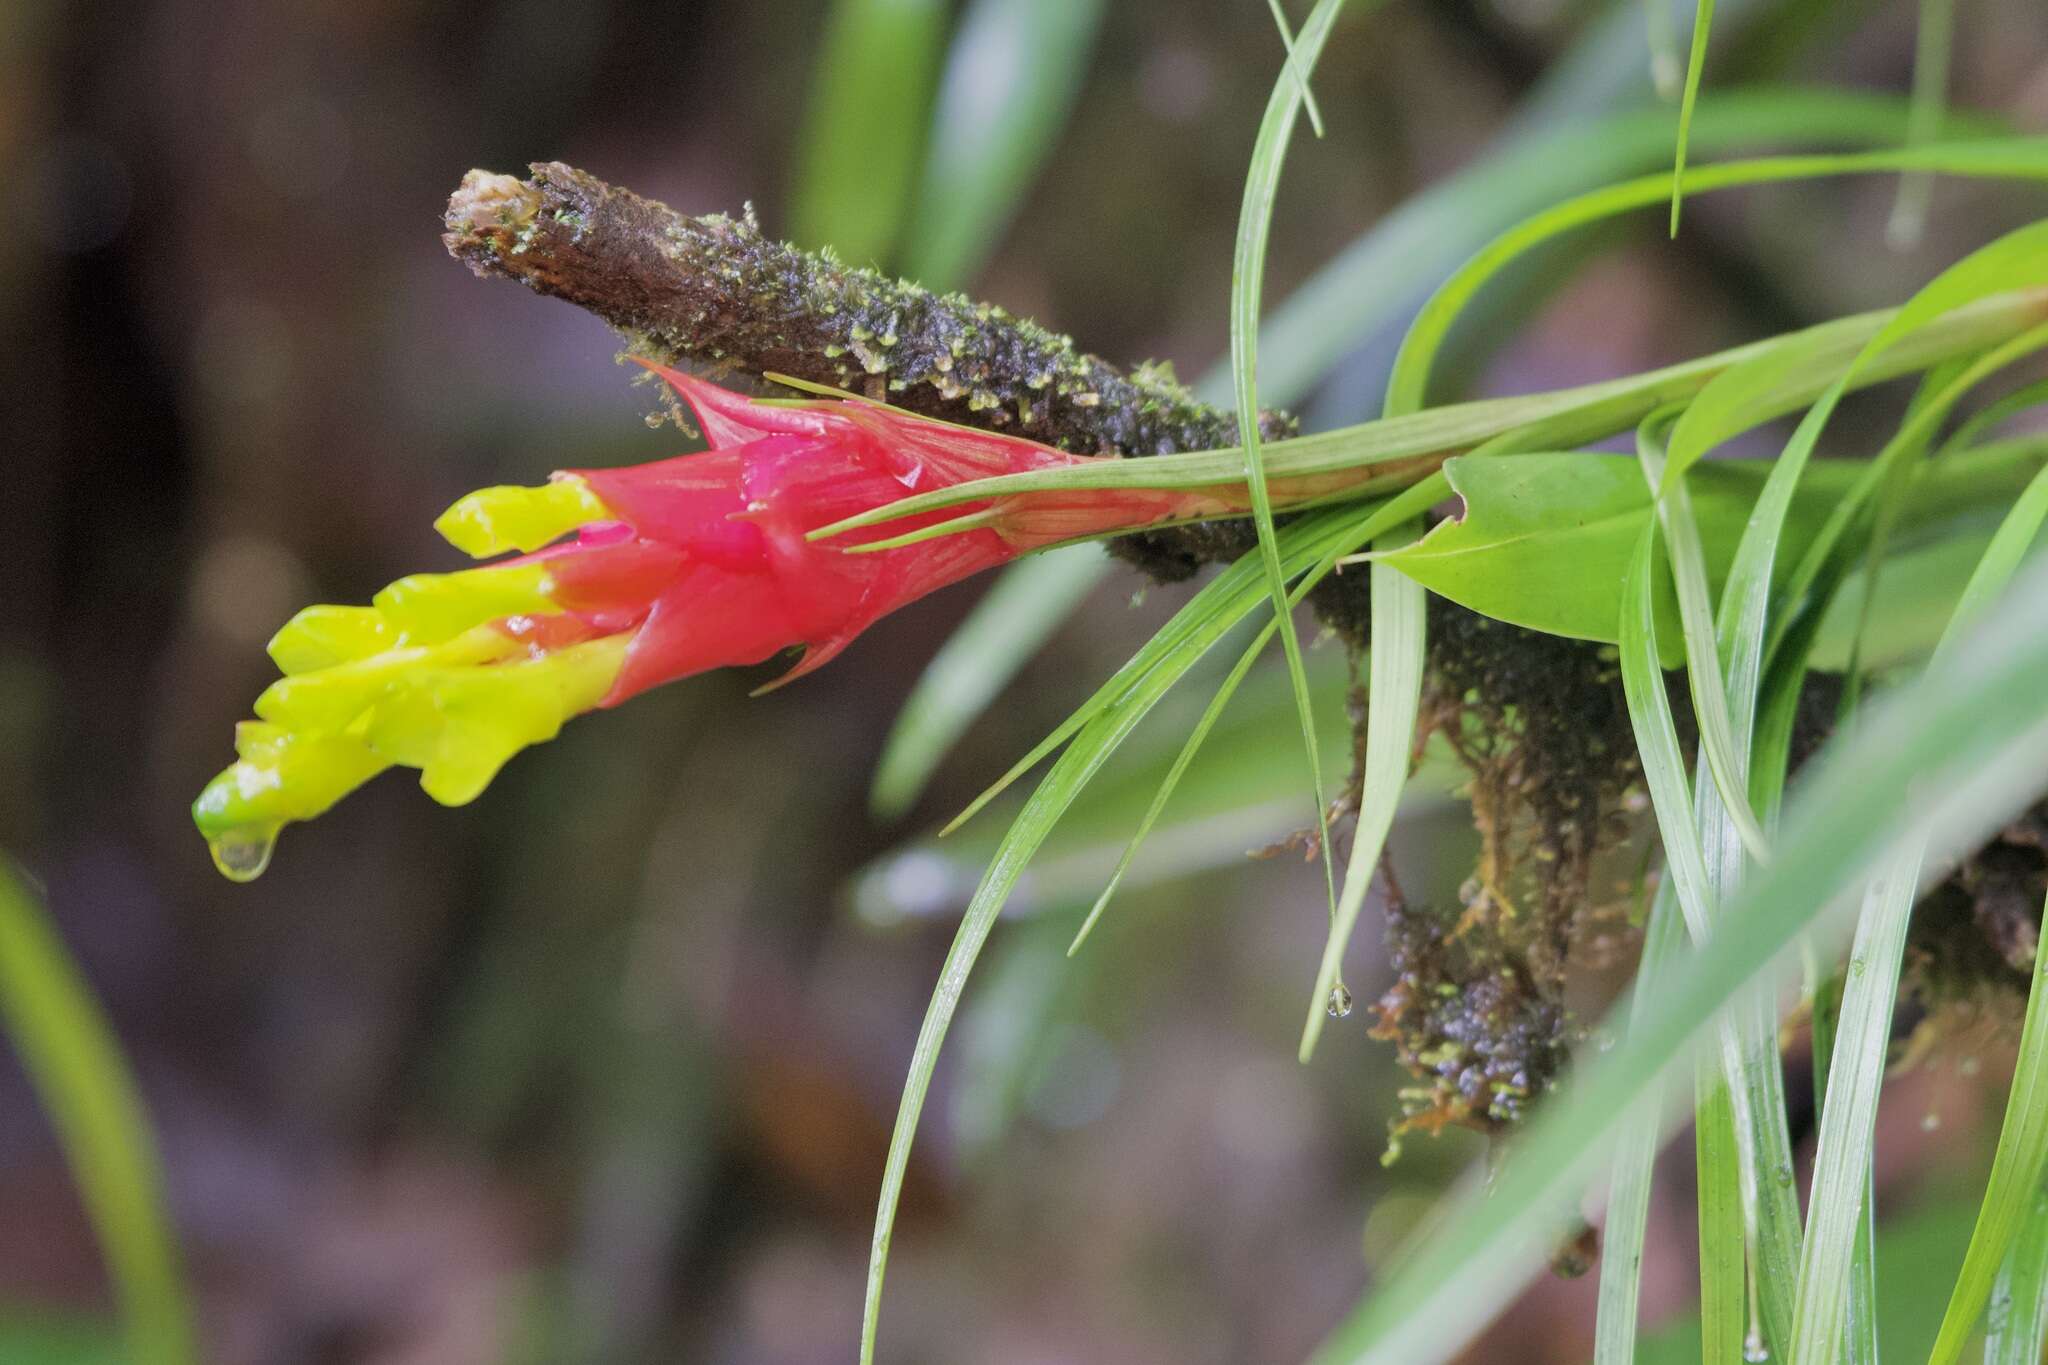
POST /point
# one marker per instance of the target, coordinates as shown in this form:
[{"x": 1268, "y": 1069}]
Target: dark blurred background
[{"x": 602, "y": 1067}]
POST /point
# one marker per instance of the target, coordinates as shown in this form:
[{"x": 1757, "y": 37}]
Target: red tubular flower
[{"x": 676, "y": 567}]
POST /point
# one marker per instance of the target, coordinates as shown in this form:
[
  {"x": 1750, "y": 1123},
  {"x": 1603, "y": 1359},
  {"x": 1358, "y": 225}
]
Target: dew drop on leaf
[
  {"x": 1339, "y": 1003},
  {"x": 1753, "y": 1349}
]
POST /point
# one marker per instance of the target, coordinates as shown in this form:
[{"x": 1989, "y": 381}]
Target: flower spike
[{"x": 618, "y": 580}]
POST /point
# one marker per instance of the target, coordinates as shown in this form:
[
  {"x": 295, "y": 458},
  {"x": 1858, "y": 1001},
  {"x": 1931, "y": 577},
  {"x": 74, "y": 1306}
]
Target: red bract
[{"x": 745, "y": 582}]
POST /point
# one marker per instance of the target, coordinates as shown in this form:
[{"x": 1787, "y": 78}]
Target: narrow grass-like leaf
[
  {"x": 1404, "y": 448},
  {"x": 1635, "y": 1155},
  {"x": 1695, "y": 62},
  {"x": 1012, "y": 73},
  {"x": 1930, "y": 102},
  {"x": 1311, "y": 545},
  {"x": 2019, "y": 400},
  {"x": 2018, "y": 1312},
  {"x": 1394, "y": 696},
  {"x": 1555, "y": 151},
  {"x": 1859, "y": 1337},
  {"x": 1295, "y": 67},
  {"x": 1723, "y": 1234},
  {"x": 1949, "y": 756},
  {"x": 1696, "y": 619},
  {"x": 863, "y": 134},
  {"x": 2015, "y": 158},
  {"x": 1247, "y": 285},
  {"x": 1848, "y": 1125},
  {"x": 1006, "y": 628},
  {"x": 74, "y": 1061}
]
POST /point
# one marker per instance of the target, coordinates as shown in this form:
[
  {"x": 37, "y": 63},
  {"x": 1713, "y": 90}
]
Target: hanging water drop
[
  {"x": 242, "y": 854},
  {"x": 1753, "y": 1349},
  {"x": 1339, "y": 1003}
]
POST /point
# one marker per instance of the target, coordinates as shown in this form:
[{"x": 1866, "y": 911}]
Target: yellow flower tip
[
  {"x": 459, "y": 726},
  {"x": 492, "y": 521},
  {"x": 323, "y": 636},
  {"x": 281, "y": 776},
  {"x": 428, "y": 608}
]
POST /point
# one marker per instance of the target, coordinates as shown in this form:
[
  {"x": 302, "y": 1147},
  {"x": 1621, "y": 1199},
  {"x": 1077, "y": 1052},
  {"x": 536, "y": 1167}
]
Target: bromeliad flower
[{"x": 670, "y": 569}]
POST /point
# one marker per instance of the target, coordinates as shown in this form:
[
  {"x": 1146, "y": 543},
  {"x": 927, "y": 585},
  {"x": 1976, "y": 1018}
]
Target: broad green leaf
[
  {"x": 74, "y": 1061},
  {"x": 1542, "y": 538}
]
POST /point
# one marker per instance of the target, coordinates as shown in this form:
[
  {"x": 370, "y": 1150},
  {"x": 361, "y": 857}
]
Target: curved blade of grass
[
  {"x": 1848, "y": 1125},
  {"x": 1296, "y": 68},
  {"x": 1930, "y": 101},
  {"x": 1394, "y": 692},
  {"x": 2022, "y": 1157},
  {"x": 1247, "y": 284},
  {"x": 1635, "y": 1155},
  {"x": 1859, "y": 1341},
  {"x": 2019, "y": 400},
  {"x": 1312, "y": 545},
  {"x": 1950, "y": 756},
  {"x": 74, "y": 1061},
  {"x": 1011, "y": 76},
  {"x": 1006, "y": 628},
  {"x": 2014, "y": 158},
  {"x": 1695, "y": 62},
  {"x": 1696, "y": 619},
  {"x": 863, "y": 133},
  {"x": 1723, "y": 1235},
  {"x": 2018, "y": 1313}
]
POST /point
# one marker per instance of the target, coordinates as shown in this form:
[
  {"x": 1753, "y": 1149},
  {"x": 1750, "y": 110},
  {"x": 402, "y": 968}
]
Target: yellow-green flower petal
[
  {"x": 428, "y": 608},
  {"x": 491, "y": 521},
  {"x": 323, "y": 636},
  {"x": 282, "y": 776}
]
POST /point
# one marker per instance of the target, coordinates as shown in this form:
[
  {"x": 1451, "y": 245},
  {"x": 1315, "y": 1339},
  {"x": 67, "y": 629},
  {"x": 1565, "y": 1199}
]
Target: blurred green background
[{"x": 601, "y": 1068}]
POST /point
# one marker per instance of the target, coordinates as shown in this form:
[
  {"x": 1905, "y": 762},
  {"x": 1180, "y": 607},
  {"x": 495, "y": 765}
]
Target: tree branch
[{"x": 714, "y": 291}]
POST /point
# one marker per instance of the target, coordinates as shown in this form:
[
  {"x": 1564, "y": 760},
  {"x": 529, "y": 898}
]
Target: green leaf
[
  {"x": 863, "y": 134},
  {"x": 1393, "y": 699},
  {"x": 2018, "y": 1312},
  {"x": 1930, "y": 102},
  {"x": 1247, "y": 286},
  {"x": 75, "y": 1063},
  {"x": 1629, "y": 1178},
  {"x": 1309, "y": 546},
  {"x": 1724, "y": 1283},
  {"x": 1011, "y": 77},
  {"x": 1950, "y": 757},
  {"x": 2012, "y": 158},
  {"x": 1542, "y": 538},
  {"x": 1696, "y": 60}
]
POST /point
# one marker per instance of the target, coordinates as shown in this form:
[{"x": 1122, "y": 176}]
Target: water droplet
[
  {"x": 1969, "y": 1066},
  {"x": 1783, "y": 1175},
  {"x": 1753, "y": 1349},
  {"x": 1855, "y": 966},
  {"x": 1929, "y": 1122},
  {"x": 1339, "y": 1003},
  {"x": 655, "y": 419},
  {"x": 242, "y": 854}
]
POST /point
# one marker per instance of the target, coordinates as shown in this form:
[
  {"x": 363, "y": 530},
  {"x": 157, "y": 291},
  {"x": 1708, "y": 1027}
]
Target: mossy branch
[{"x": 716, "y": 292}]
